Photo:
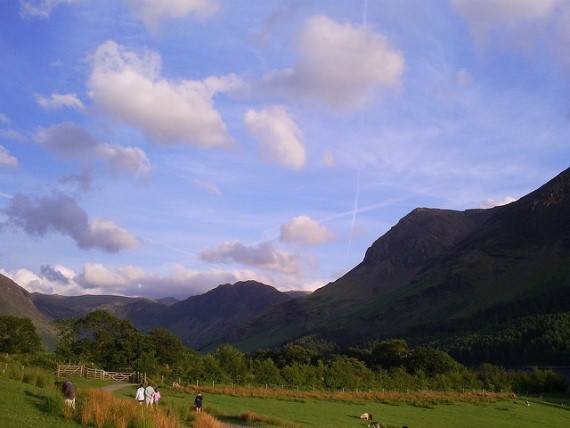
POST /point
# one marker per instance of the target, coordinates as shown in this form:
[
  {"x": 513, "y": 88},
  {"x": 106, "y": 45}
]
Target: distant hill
[
  {"x": 210, "y": 319},
  {"x": 56, "y": 306}
]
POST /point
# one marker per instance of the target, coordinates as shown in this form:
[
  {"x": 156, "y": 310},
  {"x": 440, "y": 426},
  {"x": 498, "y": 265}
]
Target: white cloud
[
  {"x": 106, "y": 235},
  {"x": 95, "y": 278},
  {"x": 56, "y": 101},
  {"x": 129, "y": 159},
  {"x": 263, "y": 256},
  {"x": 6, "y": 159},
  {"x": 341, "y": 65},
  {"x": 490, "y": 202},
  {"x": 278, "y": 136},
  {"x": 4, "y": 119},
  {"x": 152, "y": 12},
  {"x": 127, "y": 87},
  {"x": 303, "y": 229},
  {"x": 41, "y": 8}
]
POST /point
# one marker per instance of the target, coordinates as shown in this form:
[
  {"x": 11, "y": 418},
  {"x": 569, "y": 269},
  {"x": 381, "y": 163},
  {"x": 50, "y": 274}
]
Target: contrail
[{"x": 353, "y": 219}]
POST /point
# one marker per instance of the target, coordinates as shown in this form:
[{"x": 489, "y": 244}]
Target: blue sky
[{"x": 163, "y": 147}]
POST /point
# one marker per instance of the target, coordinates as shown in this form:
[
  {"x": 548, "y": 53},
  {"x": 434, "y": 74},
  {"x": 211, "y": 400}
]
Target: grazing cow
[
  {"x": 374, "y": 425},
  {"x": 366, "y": 416}
]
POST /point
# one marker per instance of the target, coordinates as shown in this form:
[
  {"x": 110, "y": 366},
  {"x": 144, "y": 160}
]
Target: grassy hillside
[{"x": 16, "y": 301}]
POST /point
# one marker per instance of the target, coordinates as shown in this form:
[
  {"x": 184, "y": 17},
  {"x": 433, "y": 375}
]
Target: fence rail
[{"x": 91, "y": 373}]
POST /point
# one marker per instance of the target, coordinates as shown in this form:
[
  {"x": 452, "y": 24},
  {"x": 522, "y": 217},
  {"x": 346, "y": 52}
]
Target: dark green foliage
[
  {"x": 18, "y": 335},
  {"x": 392, "y": 364},
  {"x": 541, "y": 339},
  {"x": 168, "y": 347},
  {"x": 100, "y": 337}
]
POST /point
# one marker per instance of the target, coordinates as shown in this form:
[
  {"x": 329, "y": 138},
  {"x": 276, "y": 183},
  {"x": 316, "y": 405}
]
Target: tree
[
  {"x": 431, "y": 361},
  {"x": 112, "y": 343},
  {"x": 390, "y": 354},
  {"x": 232, "y": 362},
  {"x": 167, "y": 346},
  {"x": 18, "y": 335}
]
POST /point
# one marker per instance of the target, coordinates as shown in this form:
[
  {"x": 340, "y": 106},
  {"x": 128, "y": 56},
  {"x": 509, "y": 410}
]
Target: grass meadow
[
  {"x": 28, "y": 399},
  {"x": 291, "y": 409}
]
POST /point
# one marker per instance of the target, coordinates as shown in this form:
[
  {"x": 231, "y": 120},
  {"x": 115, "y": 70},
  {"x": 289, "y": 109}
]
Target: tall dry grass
[
  {"x": 423, "y": 398},
  {"x": 103, "y": 410},
  {"x": 204, "y": 420}
]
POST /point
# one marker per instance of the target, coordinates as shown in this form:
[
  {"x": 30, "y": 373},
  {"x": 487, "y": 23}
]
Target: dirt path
[{"x": 116, "y": 386}]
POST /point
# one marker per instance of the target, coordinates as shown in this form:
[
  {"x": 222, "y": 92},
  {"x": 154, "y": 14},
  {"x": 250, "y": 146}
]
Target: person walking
[
  {"x": 198, "y": 402},
  {"x": 139, "y": 396},
  {"x": 149, "y": 395},
  {"x": 156, "y": 396}
]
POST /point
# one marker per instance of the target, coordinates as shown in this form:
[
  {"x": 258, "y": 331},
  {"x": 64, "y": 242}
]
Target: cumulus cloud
[
  {"x": 61, "y": 214},
  {"x": 152, "y": 12},
  {"x": 128, "y": 87},
  {"x": 278, "y": 136},
  {"x": 263, "y": 256},
  {"x": 94, "y": 278},
  {"x": 6, "y": 159},
  {"x": 57, "y": 101},
  {"x": 303, "y": 229},
  {"x": 40, "y": 8},
  {"x": 180, "y": 281},
  {"x": 490, "y": 202},
  {"x": 72, "y": 142},
  {"x": 340, "y": 65}
]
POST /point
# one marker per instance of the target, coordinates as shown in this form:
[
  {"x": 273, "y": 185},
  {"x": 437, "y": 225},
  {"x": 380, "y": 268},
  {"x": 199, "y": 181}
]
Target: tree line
[{"x": 104, "y": 341}]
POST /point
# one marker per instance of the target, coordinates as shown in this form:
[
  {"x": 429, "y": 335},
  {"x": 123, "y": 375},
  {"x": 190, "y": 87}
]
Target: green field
[
  {"x": 333, "y": 414},
  {"x": 28, "y": 405},
  {"x": 300, "y": 412}
]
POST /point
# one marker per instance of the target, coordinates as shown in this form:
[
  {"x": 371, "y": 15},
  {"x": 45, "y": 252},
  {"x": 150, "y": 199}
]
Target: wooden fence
[{"x": 87, "y": 372}]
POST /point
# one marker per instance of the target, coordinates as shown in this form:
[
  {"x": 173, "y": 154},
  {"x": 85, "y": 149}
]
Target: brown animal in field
[
  {"x": 366, "y": 416},
  {"x": 374, "y": 425}
]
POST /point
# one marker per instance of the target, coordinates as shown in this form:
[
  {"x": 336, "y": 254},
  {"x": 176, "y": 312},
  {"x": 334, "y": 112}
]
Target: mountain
[
  {"x": 210, "y": 319},
  {"x": 16, "y": 301},
  {"x": 435, "y": 268},
  {"x": 56, "y": 306}
]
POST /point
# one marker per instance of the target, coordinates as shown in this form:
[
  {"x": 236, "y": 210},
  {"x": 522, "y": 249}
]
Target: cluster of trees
[
  {"x": 541, "y": 338},
  {"x": 113, "y": 344},
  {"x": 18, "y": 335}
]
